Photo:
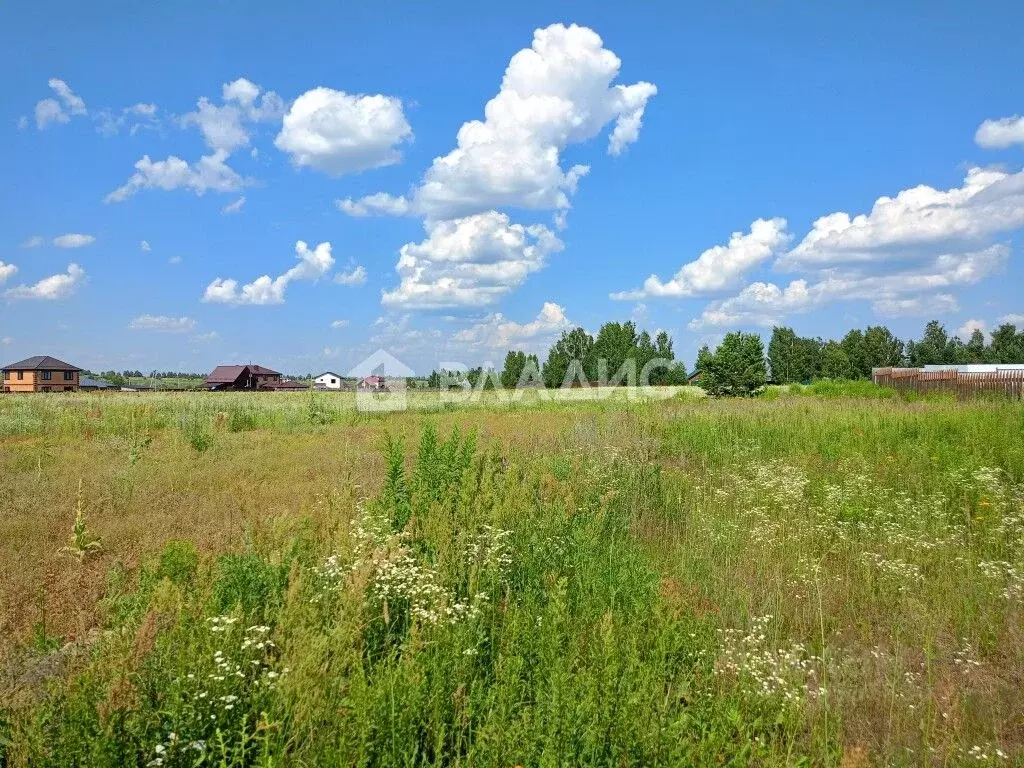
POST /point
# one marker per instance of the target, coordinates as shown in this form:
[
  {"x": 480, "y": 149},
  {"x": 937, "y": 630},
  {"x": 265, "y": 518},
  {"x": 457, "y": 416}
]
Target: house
[
  {"x": 241, "y": 377},
  {"x": 87, "y": 384},
  {"x": 376, "y": 383},
  {"x": 329, "y": 380},
  {"x": 41, "y": 373}
]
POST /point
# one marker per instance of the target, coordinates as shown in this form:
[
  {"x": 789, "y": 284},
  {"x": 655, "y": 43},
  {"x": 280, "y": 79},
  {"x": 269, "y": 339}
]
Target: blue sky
[{"x": 698, "y": 170}]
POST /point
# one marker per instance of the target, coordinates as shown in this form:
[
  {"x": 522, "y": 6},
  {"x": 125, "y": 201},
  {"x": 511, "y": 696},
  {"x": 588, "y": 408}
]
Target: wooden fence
[{"x": 1008, "y": 384}]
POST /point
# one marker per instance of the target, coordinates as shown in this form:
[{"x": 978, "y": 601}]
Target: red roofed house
[{"x": 241, "y": 377}]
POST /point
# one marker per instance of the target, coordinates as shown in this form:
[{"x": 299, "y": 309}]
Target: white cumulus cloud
[
  {"x": 73, "y": 240},
  {"x": 336, "y": 132},
  {"x": 921, "y": 288},
  {"x": 50, "y": 111},
  {"x": 313, "y": 264},
  {"x": 51, "y": 288},
  {"x": 498, "y": 332},
  {"x": 7, "y": 271},
  {"x": 210, "y": 173},
  {"x": 554, "y": 94},
  {"x": 145, "y": 247},
  {"x": 35, "y": 241},
  {"x": 225, "y": 126},
  {"x": 918, "y": 221},
  {"x": 719, "y": 267},
  {"x": 1001, "y": 133},
  {"x": 163, "y": 323},
  {"x": 339, "y": 324},
  {"x": 471, "y": 261},
  {"x": 356, "y": 276},
  {"x": 965, "y": 331}
]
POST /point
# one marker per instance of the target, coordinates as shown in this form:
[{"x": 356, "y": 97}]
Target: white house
[{"x": 328, "y": 380}]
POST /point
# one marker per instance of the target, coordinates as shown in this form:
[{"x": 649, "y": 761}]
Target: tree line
[{"x": 740, "y": 364}]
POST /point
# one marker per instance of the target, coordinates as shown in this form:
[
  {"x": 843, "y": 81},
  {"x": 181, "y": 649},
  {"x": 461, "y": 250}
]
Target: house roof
[
  {"x": 259, "y": 370},
  {"x": 86, "y": 382},
  {"x": 329, "y": 373},
  {"x": 226, "y": 374},
  {"x": 41, "y": 363}
]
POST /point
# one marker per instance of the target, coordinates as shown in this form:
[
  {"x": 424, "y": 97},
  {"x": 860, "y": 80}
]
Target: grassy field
[{"x": 806, "y": 578}]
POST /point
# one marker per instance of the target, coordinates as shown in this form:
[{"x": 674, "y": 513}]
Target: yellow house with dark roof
[{"x": 41, "y": 374}]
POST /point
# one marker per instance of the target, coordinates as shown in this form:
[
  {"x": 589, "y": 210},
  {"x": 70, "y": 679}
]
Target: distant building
[
  {"x": 328, "y": 380},
  {"x": 241, "y": 377},
  {"x": 285, "y": 385},
  {"x": 378, "y": 383},
  {"x": 87, "y": 384},
  {"x": 976, "y": 367},
  {"x": 41, "y": 374}
]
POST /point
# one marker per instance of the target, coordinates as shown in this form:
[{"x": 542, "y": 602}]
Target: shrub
[{"x": 179, "y": 561}]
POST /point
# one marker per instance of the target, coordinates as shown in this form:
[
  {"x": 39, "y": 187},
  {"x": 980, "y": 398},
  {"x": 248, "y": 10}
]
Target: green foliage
[
  {"x": 248, "y": 582},
  {"x": 242, "y": 419},
  {"x": 835, "y": 363},
  {"x": 179, "y": 561},
  {"x": 736, "y": 367},
  {"x": 318, "y": 411},
  {"x": 82, "y": 542},
  {"x": 395, "y": 495},
  {"x": 519, "y": 369},
  {"x": 195, "y": 427},
  {"x": 570, "y": 359}
]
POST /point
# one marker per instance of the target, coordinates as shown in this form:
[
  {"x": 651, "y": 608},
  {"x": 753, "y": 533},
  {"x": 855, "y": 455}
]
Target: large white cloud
[
  {"x": 498, "y": 332},
  {"x": 313, "y": 264},
  {"x": 336, "y": 132},
  {"x": 556, "y": 93},
  {"x": 899, "y": 292},
  {"x": 210, "y": 173},
  {"x": 917, "y": 222},
  {"x": 163, "y": 323},
  {"x": 719, "y": 267},
  {"x": 52, "y": 288},
  {"x": 1001, "y": 133},
  {"x": 470, "y": 261}
]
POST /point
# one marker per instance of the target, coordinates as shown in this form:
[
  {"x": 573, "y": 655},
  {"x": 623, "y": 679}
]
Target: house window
[
  {"x": 21, "y": 375},
  {"x": 46, "y": 389},
  {"x": 69, "y": 375},
  {"x": 7, "y": 375},
  {"x": 47, "y": 375},
  {"x": 334, "y": 381}
]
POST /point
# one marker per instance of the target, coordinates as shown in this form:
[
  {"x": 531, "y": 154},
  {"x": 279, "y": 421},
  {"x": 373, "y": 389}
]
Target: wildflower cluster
[
  {"x": 229, "y": 683},
  {"x": 789, "y": 673}
]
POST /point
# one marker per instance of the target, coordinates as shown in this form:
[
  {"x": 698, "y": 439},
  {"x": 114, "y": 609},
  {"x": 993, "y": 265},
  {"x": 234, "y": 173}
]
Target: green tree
[
  {"x": 881, "y": 349},
  {"x": 737, "y": 366},
  {"x": 974, "y": 351},
  {"x": 934, "y": 348},
  {"x": 575, "y": 345},
  {"x": 853, "y": 346},
  {"x": 1007, "y": 345},
  {"x": 835, "y": 364},
  {"x": 615, "y": 344}
]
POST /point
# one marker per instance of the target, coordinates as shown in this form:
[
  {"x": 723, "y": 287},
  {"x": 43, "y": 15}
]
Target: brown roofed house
[
  {"x": 241, "y": 377},
  {"x": 41, "y": 373}
]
